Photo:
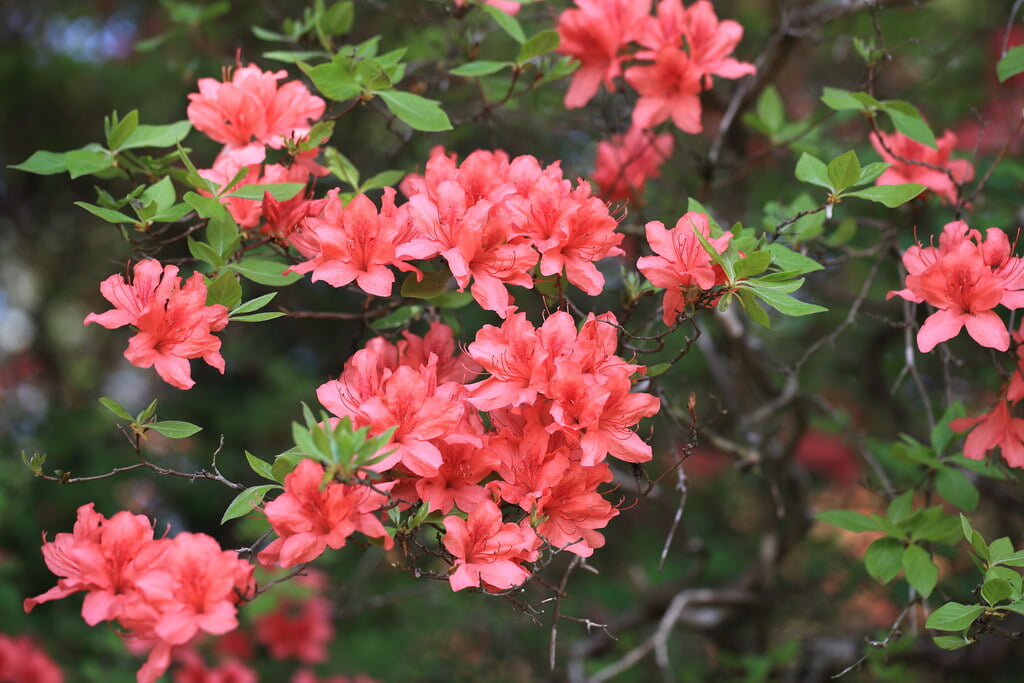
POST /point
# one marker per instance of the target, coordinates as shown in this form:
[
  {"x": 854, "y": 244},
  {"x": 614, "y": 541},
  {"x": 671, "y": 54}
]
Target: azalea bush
[{"x": 538, "y": 340}]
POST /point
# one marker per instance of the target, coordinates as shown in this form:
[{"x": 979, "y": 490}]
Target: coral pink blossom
[
  {"x": 488, "y": 553},
  {"x": 174, "y": 323},
  {"x": 668, "y": 89},
  {"x": 101, "y": 556},
  {"x": 965, "y": 278},
  {"x": 299, "y": 628},
  {"x": 939, "y": 180},
  {"x": 22, "y": 661},
  {"x": 354, "y": 242},
  {"x": 310, "y": 517},
  {"x": 192, "y": 669},
  {"x": 625, "y": 162},
  {"x": 712, "y": 41},
  {"x": 251, "y": 111},
  {"x": 594, "y": 34},
  {"x": 682, "y": 265},
  {"x": 992, "y": 429}
]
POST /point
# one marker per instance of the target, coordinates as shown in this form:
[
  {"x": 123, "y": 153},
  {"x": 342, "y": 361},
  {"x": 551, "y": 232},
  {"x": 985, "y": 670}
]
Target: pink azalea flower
[
  {"x": 668, "y": 89},
  {"x": 965, "y": 278},
  {"x": 299, "y": 628},
  {"x": 712, "y": 41},
  {"x": 487, "y": 552},
  {"x": 594, "y": 34},
  {"x": 938, "y": 181},
  {"x": 682, "y": 266},
  {"x": 22, "y": 661},
  {"x": 251, "y": 111},
  {"x": 310, "y": 517},
  {"x": 625, "y": 162},
  {"x": 354, "y": 243},
  {"x": 174, "y": 323},
  {"x": 992, "y": 429}
]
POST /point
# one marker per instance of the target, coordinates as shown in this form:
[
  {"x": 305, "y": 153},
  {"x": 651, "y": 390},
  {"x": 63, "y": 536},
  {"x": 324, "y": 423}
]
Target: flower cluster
[
  {"x": 248, "y": 114},
  {"x": 682, "y": 265},
  {"x": 557, "y": 402},
  {"x": 163, "y": 592},
  {"x": 673, "y": 55},
  {"x": 172, "y": 320},
  {"x": 491, "y": 219},
  {"x": 964, "y": 278},
  {"x": 918, "y": 163}
]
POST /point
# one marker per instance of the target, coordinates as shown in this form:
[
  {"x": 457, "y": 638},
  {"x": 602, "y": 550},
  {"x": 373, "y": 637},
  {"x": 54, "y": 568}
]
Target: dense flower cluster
[
  {"x": 163, "y": 592},
  {"x": 673, "y": 55},
  {"x": 558, "y": 403},
  {"x": 21, "y": 661},
  {"x": 172, "y": 320}
]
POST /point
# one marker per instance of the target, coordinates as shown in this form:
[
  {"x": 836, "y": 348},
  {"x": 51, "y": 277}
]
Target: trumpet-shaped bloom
[
  {"x": 994, "y": 428},
  {"x": 625, "y": 162},
  {"x": 488, "y": 553},
  {"x": 251, "y": 110},
  {"x": 311, "y": 516},
  {"x": 668, "y": 89},
  {"x": 939, "y": 178},
  {"x": 682, "y": 265},
  {"x": 965, "y": 278},
  {"x": 174, "y": 323}
]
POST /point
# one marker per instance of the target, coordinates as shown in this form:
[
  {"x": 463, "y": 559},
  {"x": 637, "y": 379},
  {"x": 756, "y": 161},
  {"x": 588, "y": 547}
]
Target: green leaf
[
  {"x": 951, "y": 642},
  {"x": 338, "y": 18},
  {"x": 108, "y": 215},
  {"x": 382, "y": 179},
  {"x": 656, "y": 369},
  {"x": 224, "y": 290},
  {"x": 432, "y": 284},
  {"x": 294, "y": 56},
  {"x": 787, "y": 259},
  {"x": 952, "y": 485},
  {"x": 265, "y": 272},
  {"x": 777, "y": 296},
  {"x": 418, "y": 112},
  {"x": 996, "y": 590},
  {"x": 539, "y": 44},
  {"x": 1014, "y": 560},
  {"x": 451, "y": 300},
  {"x": 754, "y": 263},
  {"x": 82, "y": 162},
  {"x": 507, "y": 22},
  {"x": 157, "y": 136},
  {"x": 908, "y": 120},
  {"x": 43, "y": 163},
  {"x": 116, "y": 408},
  {"x": 174, "y": 429},
  {"x": 999, "y": 550},
  {"x": 1012, "y": 64},
  {"x": 900, "y": 507},
  {"x": 247, "y": 501},
  {"x": 260, "y": 467},
  {"x": 336, "y": 80},
  {"x": 889, "y": 195},
  {"x": 770, "y": 109},
  {"x": 279, "y": 191},
  {"x": 752, "y": 308},
  {"x": 125, "y": 127},
  {"x": 841, "y": 100},
  {"x": 341, "y": 167},
  {"x": 919, "y": 569},
  {"x": 810, "y": 169},
  {"x": 161, "y": 192},
  {"x": 871, "y": 172},
  {"x": 1017, "y": 607},
  {"x": 254, "y": 304},
  {"x": 941, "y": 435},
  {"x": 844, "y": 171},
  {"x": 479, "y": 68},
  {"x": 204, "y": 252},
  {"x": 256, "y": 317},
  {"x": 847, "y": 519},
  {"x": 883, "y": 559},
  {"x": 954, "y": 616},
  {"x": 398, "y": 317}
]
